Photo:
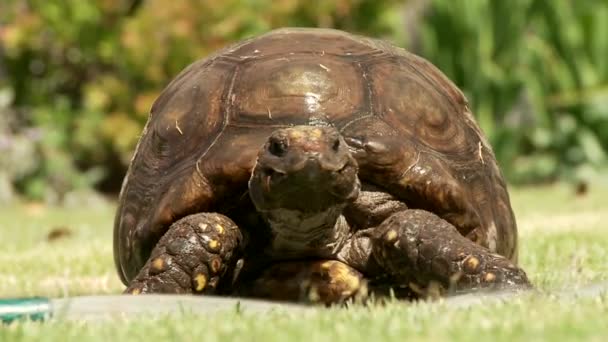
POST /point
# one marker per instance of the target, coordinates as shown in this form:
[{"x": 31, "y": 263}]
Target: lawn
[{"x": 563, "y": 244}]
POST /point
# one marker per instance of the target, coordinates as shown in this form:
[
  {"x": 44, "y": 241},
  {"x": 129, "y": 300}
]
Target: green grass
[{"x": 563, "y": 244}]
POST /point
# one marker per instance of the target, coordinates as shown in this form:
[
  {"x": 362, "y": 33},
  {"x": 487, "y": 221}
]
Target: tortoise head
[{"x": 306, "y": 169}]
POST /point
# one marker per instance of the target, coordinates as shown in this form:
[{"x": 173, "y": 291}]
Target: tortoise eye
[
  {"x": 336, "y": 145},
  {"x": 277, "y": 147}
]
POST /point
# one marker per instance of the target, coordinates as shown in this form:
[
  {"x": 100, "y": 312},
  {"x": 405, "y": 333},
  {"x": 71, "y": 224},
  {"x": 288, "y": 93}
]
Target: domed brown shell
[{"x": 407, "y": 125}]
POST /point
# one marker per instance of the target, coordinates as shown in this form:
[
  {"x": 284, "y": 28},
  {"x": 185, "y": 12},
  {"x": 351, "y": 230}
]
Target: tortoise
[{"x": 313, "y": 161}]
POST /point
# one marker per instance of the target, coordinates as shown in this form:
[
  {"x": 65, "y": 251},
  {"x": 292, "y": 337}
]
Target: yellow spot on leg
[
  {"x": 201, "y": 282},
  {"x": 219, "y": 228},
  {"x": 471, "y": 264},
  {"x": 214, "y": 244},
  {"x": 135, "y": 291},
  {"x": 391, "y": 236},
  {"x": 158, "y": 264},
  {"x": 489, "y": 277}
]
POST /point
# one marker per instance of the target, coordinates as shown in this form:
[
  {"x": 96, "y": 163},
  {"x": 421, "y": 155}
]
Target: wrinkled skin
[
  {"x": 313, "y": 163},
  {"x": 306, "y": 191}
]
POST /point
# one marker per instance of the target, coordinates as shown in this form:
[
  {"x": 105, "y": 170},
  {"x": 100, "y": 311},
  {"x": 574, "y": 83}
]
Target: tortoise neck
[{"x": 296, "y": 233}]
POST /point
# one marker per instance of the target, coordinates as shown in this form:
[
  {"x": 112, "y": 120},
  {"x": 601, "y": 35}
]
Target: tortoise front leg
[
  {"x": 191, "y": 257},
  {"x": 418, "y": 248}
]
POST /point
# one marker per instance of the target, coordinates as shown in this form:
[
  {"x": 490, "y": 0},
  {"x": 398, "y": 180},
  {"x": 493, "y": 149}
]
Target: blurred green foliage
[
  {"x": 78, "y": 77},
  {"x": 536, "y": 74}
]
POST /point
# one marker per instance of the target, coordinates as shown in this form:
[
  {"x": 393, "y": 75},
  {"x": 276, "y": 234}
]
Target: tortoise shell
[{"x": 409, "y": 128}]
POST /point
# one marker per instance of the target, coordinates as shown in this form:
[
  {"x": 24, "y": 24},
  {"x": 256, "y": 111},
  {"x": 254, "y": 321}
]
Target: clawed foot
[
  {"x": 191, "y": 257},
  {"x": 421, "y": 249}
]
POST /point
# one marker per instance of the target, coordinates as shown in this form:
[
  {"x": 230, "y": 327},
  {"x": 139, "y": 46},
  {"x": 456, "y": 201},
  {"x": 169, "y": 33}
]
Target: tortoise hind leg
[
  {"x": 192, "y": 256},
  {"x": 306, "y": 281},
  {"x": 419, "y": 248}
]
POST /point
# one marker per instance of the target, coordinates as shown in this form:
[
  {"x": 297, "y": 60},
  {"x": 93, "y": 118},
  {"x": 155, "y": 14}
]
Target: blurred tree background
[{"x": 77, "y": 78}]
